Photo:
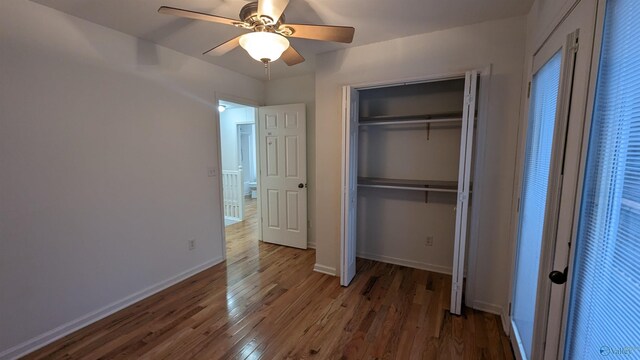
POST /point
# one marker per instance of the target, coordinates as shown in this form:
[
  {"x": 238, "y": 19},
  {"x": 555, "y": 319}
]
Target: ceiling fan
[{"x": 268, "y": 40}]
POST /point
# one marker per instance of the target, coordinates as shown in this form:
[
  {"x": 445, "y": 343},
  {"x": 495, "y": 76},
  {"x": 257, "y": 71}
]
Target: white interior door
[
  {"x": 349, "y": 184},
  {"x": 464, "y": 189},
  {"x": 552, "y": 155},
  {"x": 283, "y": 174}
]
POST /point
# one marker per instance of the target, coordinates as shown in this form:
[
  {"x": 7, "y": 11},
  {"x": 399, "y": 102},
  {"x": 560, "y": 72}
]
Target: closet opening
[{"x": 407, "y": 176}]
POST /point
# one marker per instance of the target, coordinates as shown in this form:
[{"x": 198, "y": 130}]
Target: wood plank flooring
[{"x": 265, "y": 302}]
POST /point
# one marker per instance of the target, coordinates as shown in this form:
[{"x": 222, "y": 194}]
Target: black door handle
[
  {"x": 301, "y": 185},
  {"x": 558, "y": 277}
]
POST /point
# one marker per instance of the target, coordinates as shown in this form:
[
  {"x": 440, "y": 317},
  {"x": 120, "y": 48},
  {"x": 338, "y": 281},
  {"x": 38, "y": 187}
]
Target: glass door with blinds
[
  {"x": 557, "y": 102},
  {"x": 604, "y": 296},
  {"x": 545, "y": 88}
]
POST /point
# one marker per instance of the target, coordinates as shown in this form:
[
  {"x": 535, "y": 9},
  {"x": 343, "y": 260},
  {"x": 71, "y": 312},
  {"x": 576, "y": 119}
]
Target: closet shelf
[
  {"x": 410, "y": 119},
  {"x": 413, "y": 185}
]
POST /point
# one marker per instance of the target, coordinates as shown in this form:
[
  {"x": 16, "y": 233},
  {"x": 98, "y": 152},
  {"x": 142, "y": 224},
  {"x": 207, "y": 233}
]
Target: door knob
[
  {"x": 301, "y": 185},
  {"x": 558, "y": 277}
]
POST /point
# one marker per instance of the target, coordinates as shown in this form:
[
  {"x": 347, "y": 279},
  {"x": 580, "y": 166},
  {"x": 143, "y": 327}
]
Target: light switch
[{"x": 211, "y": 171}]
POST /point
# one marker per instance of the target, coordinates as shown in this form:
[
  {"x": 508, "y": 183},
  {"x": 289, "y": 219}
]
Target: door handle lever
[{"x": 558, "y": 277}]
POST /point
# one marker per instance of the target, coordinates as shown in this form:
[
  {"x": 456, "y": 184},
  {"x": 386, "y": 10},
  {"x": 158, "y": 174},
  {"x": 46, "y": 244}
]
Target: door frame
[
  {"x": 482, "y": 101},
  {"x": 554, "y": 188},
  {"x": 586, "y": 134},
  {"x": 218, "y": 96}
]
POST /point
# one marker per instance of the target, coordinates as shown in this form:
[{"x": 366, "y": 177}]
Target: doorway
[
  {"x": 550, "y": 172},
  {"x": 263, "y": 175},
  {"x": 239, "y": 173}
]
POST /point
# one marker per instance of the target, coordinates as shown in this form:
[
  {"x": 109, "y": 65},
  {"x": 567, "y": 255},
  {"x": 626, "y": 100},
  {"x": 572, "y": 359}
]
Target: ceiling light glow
[{"x": 264, "y": 46}]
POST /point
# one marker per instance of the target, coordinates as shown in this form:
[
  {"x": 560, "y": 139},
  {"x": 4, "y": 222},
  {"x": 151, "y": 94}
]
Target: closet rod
[
  {"x": 412, "y": 188},
  {"x": 407, "y": 122}
]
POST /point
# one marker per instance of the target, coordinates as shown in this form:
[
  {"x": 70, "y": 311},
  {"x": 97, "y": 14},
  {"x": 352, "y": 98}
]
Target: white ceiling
[{"x": 374, "y": 20}]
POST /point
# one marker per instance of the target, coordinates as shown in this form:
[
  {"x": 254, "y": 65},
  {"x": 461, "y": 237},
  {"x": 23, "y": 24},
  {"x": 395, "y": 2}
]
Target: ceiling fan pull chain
[{"x": 267, "y": 68}]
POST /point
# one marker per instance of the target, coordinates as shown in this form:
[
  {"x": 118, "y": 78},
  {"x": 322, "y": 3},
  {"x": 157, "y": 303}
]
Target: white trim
[
  {"x": 406, "y": 81},
  {"x": 581, "y": 168},
  {"x": 408, "y": 263},
  {"x": 505, "y": 317},
  {"x": 65, "y": 329},
  {"x": 489, "y": 308},
  {"x": 325, "y": 270},
  {"x": 516, "y": 343},
  {"x": 218, "y": 137},
  {"x": 311, "y": 244}
]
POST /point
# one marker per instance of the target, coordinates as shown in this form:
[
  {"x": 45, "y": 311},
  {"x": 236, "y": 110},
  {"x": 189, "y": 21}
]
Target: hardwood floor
[{"x": 265, "y": 302}]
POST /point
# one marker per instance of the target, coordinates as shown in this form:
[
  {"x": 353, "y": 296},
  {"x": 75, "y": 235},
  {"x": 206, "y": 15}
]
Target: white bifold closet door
[
  {"x": 464, "y": 190},
  {"x": 350, "y": 185}
]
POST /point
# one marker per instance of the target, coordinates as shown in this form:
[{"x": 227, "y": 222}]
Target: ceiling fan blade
[
  {"x": 197, "y": 15},
  {"x": 291, "y": 56},
  {"x": 343, "y": 34},
  {"x": 272, "y": 8},
  {"x": 224, "y": 47}
]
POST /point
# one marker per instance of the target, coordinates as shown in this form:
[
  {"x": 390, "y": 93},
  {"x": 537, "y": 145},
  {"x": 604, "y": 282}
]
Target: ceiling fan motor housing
[{"x": 249, "y": 15}]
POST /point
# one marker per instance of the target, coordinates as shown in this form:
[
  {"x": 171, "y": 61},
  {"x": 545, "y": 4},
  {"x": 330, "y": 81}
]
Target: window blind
[{"x": 604, "y": 310}]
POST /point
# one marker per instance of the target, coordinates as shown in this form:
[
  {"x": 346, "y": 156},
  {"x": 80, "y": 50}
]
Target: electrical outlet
[
  {"x": 192, "y": 244},
  {"x": 429, "y": 241},
  {"x": 211, "y": 171}
]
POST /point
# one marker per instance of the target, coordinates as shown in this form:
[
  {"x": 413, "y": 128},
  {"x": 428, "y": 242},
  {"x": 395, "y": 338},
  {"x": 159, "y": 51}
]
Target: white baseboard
[
  {"x": 407, "y": 263},
  {"x": 504, "y": 316},
  {"x": 50, "y": 336},
  {"x": 487, "y": 307},
  {"x": 325, "y": 270},
  {"x": 311, "y": 245}
]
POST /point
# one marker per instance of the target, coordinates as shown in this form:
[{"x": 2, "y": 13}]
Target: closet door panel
[{"x": 464, "y": 190}]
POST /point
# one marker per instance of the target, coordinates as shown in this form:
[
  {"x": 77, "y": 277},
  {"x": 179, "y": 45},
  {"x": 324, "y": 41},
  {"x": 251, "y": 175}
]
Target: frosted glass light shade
[{"x": 264, "y": 45}]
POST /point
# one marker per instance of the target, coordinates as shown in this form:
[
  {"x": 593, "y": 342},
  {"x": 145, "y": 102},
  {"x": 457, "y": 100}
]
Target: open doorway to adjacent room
[{"x": 239, "y": 173}]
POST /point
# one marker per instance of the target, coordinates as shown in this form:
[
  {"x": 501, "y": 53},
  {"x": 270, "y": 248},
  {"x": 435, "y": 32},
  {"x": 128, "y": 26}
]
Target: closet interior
[{"x": 413, "y": 155}]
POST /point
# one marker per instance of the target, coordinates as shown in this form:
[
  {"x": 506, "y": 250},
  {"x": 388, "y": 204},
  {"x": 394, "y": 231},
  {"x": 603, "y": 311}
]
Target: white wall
[
  {"x": 499, "y": 43},
  {"x": 295, "y": 90},
  {"x": 105, "y": 142},
  {"x": 543, "y": 18}
]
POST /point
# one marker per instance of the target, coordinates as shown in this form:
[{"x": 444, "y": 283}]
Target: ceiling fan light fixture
[{"x": 264, "y": 46}]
